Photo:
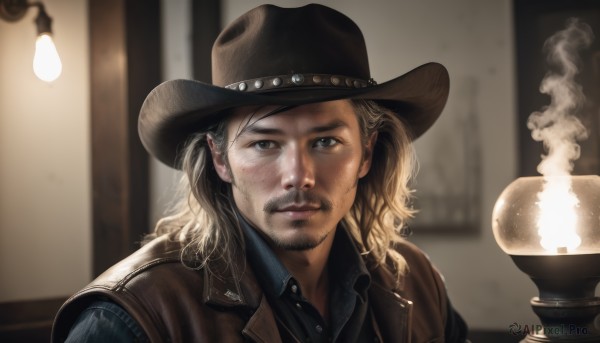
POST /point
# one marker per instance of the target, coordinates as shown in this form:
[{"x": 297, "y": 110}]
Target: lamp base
[
  {"x": 565, "y": 320},
  {"x": 13, "y": 10},
  {"x": 567, "y": 306}
]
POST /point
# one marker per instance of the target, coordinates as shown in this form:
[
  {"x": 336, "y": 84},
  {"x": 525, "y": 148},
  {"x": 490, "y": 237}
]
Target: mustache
[{"x": 297, "y": 197}]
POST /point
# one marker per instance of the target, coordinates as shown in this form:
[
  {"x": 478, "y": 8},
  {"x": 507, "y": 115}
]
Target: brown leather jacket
[{"x": 174, "y": 303}]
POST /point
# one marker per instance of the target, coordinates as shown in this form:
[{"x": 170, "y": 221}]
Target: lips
[
  {"x": 298, "y": 211},
  {"x": 298, "y": 208}
]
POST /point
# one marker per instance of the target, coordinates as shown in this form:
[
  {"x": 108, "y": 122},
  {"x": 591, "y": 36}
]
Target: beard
[
  {"x": 298, "y": 244},
  {"x": 301, "y": 243}
]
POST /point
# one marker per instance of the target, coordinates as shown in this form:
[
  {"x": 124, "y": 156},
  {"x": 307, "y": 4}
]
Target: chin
[
  {"x": 298, "y": 234},
  {"x": 299, "y": 244},
  {"x": 299, "y": 241}
]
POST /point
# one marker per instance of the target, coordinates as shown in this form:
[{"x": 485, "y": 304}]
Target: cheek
[
  {"x": 340, "y": 171},
  {"x": 252, "y": 173},
  {"x": 249, "y": 186}
]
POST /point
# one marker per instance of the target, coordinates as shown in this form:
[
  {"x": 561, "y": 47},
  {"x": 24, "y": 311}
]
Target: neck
[{"x": 309, "y": 268}]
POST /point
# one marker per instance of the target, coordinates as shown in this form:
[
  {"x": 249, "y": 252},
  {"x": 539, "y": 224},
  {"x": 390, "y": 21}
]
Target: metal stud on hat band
[{"x": 299, "y": 80}]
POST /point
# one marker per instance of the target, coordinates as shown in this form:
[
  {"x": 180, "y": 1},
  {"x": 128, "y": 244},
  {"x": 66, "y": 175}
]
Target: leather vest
[{"x": 173, "y": 303}]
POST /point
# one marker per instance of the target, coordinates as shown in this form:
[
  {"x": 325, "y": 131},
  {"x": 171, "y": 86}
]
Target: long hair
[{"x": 204, "y": 218}]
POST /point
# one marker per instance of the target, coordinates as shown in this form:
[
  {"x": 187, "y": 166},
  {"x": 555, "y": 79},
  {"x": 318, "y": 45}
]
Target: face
[{"x": 294, "y": 174}]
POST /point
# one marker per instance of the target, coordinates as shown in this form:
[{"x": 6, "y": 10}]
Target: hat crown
[{"x": 271, "y": 40}]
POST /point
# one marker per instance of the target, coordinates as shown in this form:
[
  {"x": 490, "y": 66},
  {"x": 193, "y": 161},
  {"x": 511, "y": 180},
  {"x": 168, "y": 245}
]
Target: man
[{"x": 296, "y": 167}]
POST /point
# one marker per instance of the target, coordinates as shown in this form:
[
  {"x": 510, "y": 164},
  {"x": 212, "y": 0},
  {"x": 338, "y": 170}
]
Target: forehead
[{"x": 304, "y": 115}]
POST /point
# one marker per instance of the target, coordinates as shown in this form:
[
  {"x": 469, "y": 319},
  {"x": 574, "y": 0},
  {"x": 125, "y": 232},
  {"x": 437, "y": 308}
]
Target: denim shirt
[{"x": 105, "y": 321}]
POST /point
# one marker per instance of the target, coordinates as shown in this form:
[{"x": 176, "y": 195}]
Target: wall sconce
[{"x": 46, "y": 62}]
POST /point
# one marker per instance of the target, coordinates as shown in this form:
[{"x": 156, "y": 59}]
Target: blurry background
[{"x": 54, "y": 233}]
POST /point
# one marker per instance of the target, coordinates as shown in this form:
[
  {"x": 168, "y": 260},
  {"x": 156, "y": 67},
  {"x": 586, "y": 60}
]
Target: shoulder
[
  {"x": 420, "y": 279},
  {"x": 419, "y": 288},
  {"x": 418, "y": 262},
  {"x": 156, "y": 253},
  {"x": 419, "y": 267},
  {"x": 132, "y": 283},
  {"x": 421, "y": 274},
  {"x": 166, "y": 297},
  {"x": 424, "y": 286}
]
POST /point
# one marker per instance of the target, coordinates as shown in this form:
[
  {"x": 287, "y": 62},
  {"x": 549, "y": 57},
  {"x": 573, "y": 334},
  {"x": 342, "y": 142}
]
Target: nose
[{"x": 298, "y": 169}]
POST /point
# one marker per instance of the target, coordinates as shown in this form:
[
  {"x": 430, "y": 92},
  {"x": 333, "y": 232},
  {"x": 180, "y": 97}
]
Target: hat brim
[{"x": 178, "y": 108}]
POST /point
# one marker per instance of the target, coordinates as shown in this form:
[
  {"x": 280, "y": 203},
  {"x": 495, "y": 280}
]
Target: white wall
[{"x": 45, "y": 218}]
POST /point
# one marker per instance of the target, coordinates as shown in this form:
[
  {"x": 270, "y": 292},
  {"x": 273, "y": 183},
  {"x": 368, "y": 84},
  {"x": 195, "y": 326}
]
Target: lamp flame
[{"x": 557, "y": 221}]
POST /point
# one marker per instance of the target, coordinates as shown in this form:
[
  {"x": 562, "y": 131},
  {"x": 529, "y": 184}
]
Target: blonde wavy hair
[{"x": 204, "y": 218}]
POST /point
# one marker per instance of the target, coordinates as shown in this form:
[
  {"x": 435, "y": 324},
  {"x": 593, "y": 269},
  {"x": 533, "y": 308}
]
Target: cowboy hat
[{"x": 289, "y": 57}]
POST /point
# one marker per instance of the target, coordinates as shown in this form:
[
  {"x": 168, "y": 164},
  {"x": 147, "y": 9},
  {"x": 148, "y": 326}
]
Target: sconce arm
[{"x": 13, "y": 10}]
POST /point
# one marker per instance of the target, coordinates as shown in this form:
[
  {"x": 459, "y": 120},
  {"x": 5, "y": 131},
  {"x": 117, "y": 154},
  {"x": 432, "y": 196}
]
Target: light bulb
[{"x": 46, "y": 62}]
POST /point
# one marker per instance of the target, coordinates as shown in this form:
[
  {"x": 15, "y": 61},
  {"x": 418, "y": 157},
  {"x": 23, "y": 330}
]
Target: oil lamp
[{"x": 550, "y": 227}]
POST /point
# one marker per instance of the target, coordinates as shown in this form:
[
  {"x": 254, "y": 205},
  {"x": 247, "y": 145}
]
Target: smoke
[{"x": 557, "y": 125}]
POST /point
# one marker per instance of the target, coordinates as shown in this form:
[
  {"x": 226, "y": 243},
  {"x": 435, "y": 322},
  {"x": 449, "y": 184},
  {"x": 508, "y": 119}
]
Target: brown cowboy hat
[{"x": 285, "y": 56}]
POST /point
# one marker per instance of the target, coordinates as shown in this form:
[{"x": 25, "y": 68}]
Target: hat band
[{"x": 299, "y": 80}]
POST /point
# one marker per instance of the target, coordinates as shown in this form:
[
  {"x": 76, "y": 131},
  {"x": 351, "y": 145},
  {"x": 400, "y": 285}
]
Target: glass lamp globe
[
  {"x": 549, "y": 216},
  {"x": 550, "y": 227}
]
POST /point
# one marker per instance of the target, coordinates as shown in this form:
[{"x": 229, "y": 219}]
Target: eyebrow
[{"x": 254, "y": 129}]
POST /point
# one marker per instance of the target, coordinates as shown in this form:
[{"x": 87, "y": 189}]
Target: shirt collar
[
  {"x": 347, "y": 266},
  {"x": 275, "y": 276}
]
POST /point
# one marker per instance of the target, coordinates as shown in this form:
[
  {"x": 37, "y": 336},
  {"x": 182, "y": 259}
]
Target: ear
[
  {"x": 368, "y": 155},
  {"x": 219, "y": 160}
]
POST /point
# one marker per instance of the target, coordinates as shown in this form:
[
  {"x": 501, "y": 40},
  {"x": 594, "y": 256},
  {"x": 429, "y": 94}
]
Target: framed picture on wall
[{"x": 448, "y": 186}]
